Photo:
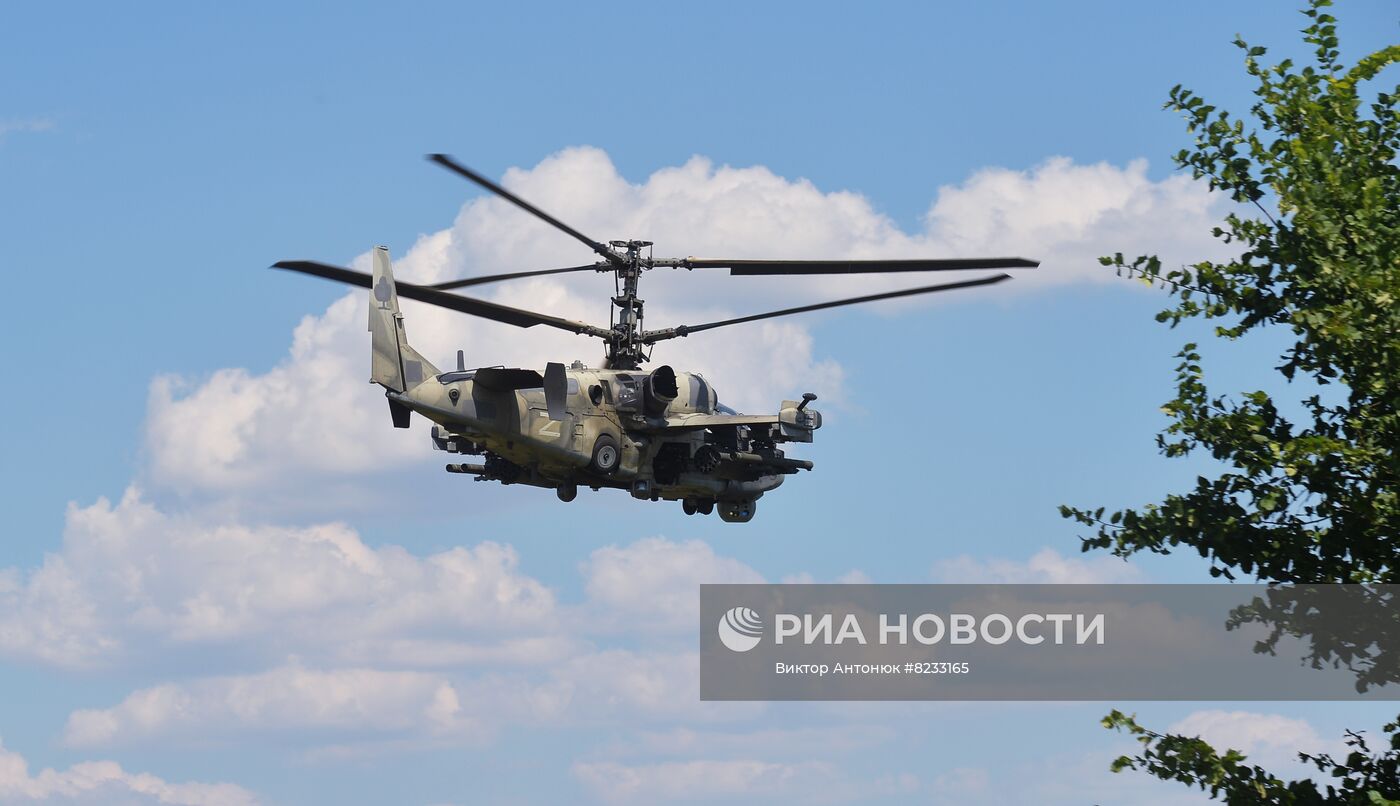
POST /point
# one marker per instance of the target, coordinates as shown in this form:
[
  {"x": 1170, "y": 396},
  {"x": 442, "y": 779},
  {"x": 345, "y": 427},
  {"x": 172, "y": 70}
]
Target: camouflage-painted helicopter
[{"x": 660, "y": 434}]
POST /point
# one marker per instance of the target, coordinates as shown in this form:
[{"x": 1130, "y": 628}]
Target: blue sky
[{"x": 152, "y": 166}]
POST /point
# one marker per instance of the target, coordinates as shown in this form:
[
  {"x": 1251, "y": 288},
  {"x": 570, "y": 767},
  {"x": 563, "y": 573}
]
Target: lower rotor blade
[
  {"x": 686, "y": 330},
  {"x": 468, "y": 305}
]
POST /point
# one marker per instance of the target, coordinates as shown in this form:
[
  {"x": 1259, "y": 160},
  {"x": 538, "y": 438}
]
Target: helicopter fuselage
[
  {"x": 673, "y": 441},
  {"x": 658, "y": 434}
]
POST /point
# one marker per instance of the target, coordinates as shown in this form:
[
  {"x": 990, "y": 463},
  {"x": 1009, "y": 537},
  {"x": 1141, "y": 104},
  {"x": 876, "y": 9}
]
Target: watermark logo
[{"x": 740, "y": 629}]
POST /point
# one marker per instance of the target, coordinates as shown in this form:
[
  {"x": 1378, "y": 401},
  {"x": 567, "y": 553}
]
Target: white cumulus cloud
[
  {"x": 705, "y": 780},
  {"x": 371, "y": 707},
  {"x": 656, "y": 582},
  {"x": 14, "y": 125},
  {"x": 1272, "y": 741},
  {"x": 105, "y": 782},
  {"x": 1046, "y": 566},
  {"x": 285, "y": 699},
  {"x": 132, "y": 577},
  {"x": 377, "y": 642}
]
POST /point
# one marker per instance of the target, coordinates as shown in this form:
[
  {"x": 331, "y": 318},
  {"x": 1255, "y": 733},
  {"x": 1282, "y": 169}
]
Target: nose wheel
[
  {"x": 566, "y": 492},
  {"x": 695, "y": 506}
]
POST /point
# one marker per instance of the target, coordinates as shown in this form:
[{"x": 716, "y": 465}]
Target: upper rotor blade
[
  {"x": 494, "y": 278},
  {"x": 467, "y": 173},
  {"x": 468, "y": 305},
  {"x": 755, "y": 267},
  {"x": 685, "y": 330}
]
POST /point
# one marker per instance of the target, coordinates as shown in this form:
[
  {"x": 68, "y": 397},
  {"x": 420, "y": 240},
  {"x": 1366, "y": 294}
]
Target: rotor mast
[{"x": 626, "y": 349}]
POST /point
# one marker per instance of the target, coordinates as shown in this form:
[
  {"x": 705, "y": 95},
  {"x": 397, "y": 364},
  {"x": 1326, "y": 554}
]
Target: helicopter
[{"x": 658, "y": 434}]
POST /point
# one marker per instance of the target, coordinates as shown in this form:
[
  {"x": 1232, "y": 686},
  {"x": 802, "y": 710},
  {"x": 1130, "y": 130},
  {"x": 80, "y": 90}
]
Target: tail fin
[{"x": 394, "y": 365}]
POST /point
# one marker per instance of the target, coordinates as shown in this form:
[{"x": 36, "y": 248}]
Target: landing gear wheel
[
  {"x": 737, "y": 511},
  {"x": 606, "y": 456},
  {"x": 566, "y": 492},
  {"x": 690, "y": 506},
  {"x": 705, "y": 507}
]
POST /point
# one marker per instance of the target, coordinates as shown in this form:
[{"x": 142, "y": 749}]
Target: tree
[
  {"x": 1317, "y": 500},
  {"x": 1313, "y": 496},
  {"x": 1360, "y": 778}
]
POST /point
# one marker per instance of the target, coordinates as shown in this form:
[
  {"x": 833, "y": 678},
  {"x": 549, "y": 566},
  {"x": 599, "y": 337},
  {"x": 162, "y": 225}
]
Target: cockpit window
[
  {"x": 723, "y": 409},
  {"x": 699, "y": 393},
  {"x": 573, "y": 386}
]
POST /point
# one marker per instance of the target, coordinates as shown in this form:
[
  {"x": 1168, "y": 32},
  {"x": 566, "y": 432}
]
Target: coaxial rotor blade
[
  {"x": 495, "y": 278},
  {"x": 467, "y": 173},
  {"x": 756, "y": 267},
  {"x": 468, "y": 305},
  {"x": 685, "y": 330}
]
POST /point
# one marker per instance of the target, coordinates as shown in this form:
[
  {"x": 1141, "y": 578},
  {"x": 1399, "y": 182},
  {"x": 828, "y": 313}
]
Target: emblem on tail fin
[{"x": 383, "y": 291}]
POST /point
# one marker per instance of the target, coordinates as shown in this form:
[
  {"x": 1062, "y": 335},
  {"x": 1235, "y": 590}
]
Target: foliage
[
  {"x": 1362, "y": 777},
  {"x": 1313, "y": 498},
  {"x": 1316, "y": 500}
]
